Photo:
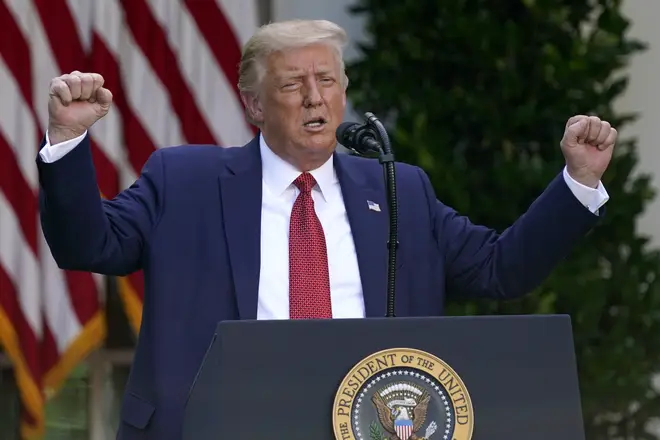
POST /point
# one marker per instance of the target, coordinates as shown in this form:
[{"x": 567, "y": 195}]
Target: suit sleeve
[
  {"x": 483, "y": 263},
  {"x": 85, "y": 232}
]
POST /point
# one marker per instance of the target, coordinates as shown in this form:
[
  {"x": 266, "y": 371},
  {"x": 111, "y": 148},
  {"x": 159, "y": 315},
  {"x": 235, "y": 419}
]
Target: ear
[{"x": 253, "y": 106}]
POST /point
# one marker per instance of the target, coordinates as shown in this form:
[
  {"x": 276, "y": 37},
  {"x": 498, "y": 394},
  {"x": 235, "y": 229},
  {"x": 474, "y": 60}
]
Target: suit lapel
[
  {"x": 240, "y": 191},
  {"x": 369, "y": 228}
]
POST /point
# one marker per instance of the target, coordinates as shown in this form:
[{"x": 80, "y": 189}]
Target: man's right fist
[{"x": 77, "y": 100}]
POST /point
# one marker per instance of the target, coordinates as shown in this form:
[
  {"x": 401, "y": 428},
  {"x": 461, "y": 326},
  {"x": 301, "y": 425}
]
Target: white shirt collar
[{"x": 278, "y": 174}]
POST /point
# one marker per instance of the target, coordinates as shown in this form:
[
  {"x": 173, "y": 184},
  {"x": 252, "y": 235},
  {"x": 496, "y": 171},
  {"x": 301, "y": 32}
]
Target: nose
[{"x": 312, "y": 97}]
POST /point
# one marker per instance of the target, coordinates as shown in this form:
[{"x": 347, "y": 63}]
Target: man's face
[{"x": 301, "y": 104}]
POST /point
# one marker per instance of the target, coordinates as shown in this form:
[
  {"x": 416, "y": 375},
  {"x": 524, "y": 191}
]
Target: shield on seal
[{"x": 403, "y": 428}]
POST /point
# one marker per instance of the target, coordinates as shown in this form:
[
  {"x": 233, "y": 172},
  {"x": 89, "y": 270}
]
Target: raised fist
[
  {"x": 587, "y": 146},
  {"x": 77, "y": 100}
]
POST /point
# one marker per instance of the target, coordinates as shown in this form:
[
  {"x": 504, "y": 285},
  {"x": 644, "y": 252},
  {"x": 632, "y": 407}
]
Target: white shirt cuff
[
  {"x": 592, "y": 198},
  {"x": 51, "y": 153}
]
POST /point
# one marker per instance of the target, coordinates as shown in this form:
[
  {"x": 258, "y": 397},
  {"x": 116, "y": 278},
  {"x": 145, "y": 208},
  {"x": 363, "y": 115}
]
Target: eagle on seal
[{"x": 388, "y": 417}]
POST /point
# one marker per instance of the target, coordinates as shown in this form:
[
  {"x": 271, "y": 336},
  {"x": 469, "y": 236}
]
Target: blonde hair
[{"x": 284, "y": 35}]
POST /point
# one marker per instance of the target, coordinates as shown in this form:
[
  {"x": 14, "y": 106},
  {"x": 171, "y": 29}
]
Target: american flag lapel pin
[{"x": 373, "y": 206}]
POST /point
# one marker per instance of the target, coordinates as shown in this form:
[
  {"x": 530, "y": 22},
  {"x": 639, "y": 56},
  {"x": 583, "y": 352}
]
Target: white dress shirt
[{"x": 279, "y": 194}]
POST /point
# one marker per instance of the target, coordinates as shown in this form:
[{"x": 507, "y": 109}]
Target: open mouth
[{"x": 315, "y": 123}]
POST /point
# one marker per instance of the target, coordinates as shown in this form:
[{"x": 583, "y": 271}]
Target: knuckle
[
  {"x": 60, "y": 87},
  {"x": 73, "y": 82},
  {"x": 54, "y": 84}
]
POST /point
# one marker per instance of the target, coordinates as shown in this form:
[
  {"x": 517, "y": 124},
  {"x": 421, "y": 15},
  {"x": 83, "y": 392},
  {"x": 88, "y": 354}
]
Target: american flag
[{"x": 172, "y": 68}]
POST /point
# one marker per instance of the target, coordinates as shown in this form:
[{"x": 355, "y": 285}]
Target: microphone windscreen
[{"x": 343, "y": 132}]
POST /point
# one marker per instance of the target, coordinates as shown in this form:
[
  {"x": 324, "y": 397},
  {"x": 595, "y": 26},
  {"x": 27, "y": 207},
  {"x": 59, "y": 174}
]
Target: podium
[{"x": 437, "y": 378}]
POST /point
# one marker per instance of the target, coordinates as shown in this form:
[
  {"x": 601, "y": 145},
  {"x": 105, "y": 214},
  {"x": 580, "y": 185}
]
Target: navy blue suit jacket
[{"x": 192, "y": 223}]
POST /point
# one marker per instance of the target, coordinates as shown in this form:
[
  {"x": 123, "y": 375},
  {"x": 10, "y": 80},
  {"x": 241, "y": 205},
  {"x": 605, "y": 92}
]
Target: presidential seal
[{"x": 402, "y": 394}]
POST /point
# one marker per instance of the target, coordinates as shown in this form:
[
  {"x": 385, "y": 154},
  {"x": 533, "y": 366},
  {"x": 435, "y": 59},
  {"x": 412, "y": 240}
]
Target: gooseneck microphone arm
[
  {"x": 365, "y": 140},
  {"x": 386, "y": 158}
]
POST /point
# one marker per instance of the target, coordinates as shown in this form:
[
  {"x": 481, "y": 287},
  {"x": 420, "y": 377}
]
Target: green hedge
[{"x": 480, "y": 92}]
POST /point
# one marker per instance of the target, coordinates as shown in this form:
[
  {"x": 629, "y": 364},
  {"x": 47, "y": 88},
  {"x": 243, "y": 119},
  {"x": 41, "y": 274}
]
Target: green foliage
[
  {"x": 374, "y": 432},
  {"x": 480, "y": 92}
]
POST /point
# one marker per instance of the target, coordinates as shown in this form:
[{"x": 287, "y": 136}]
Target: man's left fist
[{"x": 587, "y": 145}]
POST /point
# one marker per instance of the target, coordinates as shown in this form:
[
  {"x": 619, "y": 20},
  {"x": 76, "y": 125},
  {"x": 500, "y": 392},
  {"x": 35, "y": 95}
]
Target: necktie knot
[{"x": 305, "y": 182}]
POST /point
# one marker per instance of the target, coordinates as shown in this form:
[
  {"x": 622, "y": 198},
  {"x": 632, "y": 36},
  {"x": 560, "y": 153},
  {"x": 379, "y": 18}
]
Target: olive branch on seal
[{"x": 375, "y": 433}]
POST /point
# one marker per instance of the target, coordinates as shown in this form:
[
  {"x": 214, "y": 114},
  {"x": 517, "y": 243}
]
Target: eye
[{"x": 290, "y": 86}]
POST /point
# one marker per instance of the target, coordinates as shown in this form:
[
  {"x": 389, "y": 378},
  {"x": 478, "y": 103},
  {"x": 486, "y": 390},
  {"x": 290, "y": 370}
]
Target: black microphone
[
  {"x": 359, "y": 138},
  {"x": 368, "y": 140}
]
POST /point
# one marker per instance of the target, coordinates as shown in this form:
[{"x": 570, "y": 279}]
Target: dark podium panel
[{"x": 499, "y": 378}]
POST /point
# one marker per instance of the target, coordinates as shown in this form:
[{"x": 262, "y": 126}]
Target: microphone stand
[{"x": 386, "y": 158}]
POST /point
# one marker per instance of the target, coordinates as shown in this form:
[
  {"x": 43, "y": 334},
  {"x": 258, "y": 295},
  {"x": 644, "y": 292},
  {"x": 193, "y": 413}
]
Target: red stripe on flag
[
  {"x": 18, "y": 193},
  {"x": 137, "y": 281},
  {"x": 61, "y": 29},
  {"x": 138, "y": 144},
  {"x": 15, "y": 51},
  {"x": 107, "y": 177},
  {"x": 150, "y": 37},
  {"x": 83, "y": 295},
  {"x": 48, "y": 350},
  {"x": 219, "y": 36}
]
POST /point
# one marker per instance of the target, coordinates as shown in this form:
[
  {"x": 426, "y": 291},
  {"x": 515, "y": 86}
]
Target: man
[{"x": 284, "y": 227}]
